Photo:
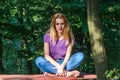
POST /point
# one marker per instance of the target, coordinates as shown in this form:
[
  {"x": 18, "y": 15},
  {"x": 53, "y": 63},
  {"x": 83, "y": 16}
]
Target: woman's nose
[{"x": 60, "y": 25}]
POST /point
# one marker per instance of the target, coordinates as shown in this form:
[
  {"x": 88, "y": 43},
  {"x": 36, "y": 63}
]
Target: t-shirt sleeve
[{"x": 47, "y": 38}]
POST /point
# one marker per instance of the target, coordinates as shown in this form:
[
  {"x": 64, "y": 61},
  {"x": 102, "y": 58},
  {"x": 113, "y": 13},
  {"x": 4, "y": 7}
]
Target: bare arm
[
  {"x": 68, "y": 53},
  {"x": 47, "y": 56}
]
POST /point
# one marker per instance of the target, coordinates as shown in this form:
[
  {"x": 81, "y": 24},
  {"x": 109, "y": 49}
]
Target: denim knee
[
  {"x": 40, "y": 60},
  {"x": 75, "y": 60},
  {"x": 79, "y": 56}
]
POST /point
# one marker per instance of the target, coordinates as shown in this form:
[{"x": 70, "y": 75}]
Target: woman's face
[{"x": 59, "y": 25}]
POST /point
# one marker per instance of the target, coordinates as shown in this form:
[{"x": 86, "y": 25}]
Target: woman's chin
[{"x": 60, "y": 32}]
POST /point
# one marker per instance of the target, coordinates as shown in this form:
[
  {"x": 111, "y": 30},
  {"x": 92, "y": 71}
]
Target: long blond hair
[{"x": 67, "y": 33}]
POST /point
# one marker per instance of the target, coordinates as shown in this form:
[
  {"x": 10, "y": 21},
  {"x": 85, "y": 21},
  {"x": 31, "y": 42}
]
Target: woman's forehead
[{"x": 59, "y": 20}]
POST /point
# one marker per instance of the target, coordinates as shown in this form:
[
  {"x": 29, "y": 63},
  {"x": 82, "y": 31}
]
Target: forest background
[{"x": 24, "y": 22}]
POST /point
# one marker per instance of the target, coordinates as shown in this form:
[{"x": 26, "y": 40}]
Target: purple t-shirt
[{"x": 58, "y": 50}]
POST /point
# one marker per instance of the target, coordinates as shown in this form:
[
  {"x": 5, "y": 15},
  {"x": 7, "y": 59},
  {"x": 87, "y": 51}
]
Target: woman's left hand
[{"x": 60, "y": 71}]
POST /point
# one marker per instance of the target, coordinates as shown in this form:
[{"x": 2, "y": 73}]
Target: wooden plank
[{"x": 42, "y": 77}]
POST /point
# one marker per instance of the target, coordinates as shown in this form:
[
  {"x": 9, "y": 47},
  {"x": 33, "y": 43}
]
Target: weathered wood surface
[{"x": 42, "y": 77}]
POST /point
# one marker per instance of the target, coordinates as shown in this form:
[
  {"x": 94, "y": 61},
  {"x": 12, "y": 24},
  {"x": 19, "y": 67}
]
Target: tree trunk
[
  {"x": 96, "y": 38},
  {"x": 1, "y": 66},
  {"x": 29, "y": 66},
  {"x": 28, "y": 54}
]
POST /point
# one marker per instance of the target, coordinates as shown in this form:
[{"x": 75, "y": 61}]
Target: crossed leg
[{"x": 76, "y": 58}]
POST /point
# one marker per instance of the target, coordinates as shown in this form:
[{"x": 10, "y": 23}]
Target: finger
[
  {"x": 64, "y": 74},
  {"x": 57, "y": 74}
]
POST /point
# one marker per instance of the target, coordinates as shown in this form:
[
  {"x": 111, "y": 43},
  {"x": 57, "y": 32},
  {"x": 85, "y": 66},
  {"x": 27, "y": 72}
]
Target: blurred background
[{"x": 24, "y": 22}]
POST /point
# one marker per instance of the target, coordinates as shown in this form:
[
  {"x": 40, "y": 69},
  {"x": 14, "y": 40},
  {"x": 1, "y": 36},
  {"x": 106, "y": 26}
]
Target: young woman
[{"x": 58, "y": 44}]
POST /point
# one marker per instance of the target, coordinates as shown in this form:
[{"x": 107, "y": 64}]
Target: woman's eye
[
  {"x": 57, "y": 23},
  {"x": 60, "y": 24}
]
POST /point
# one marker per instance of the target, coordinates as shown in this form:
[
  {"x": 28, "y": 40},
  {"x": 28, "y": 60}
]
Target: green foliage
[
  {"x": 111, "y": 31},
  {"x": 113, "y": 74}
]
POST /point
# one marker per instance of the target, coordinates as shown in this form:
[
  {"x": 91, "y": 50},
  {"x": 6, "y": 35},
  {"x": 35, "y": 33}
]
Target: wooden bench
[{"x": 42, "y": 77}]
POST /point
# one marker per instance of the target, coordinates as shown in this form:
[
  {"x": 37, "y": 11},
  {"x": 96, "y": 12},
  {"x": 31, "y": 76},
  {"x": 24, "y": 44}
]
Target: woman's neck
[{"x": 60, "y": 36}]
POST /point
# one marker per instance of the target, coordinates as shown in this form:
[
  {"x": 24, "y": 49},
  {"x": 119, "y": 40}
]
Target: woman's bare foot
[
  {"x": 73, "y": 73},
  {"x": 48, "y": 74}
]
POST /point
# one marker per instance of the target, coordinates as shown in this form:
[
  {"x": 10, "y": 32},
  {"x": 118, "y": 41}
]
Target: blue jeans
[{"x": 45, "y": 66}]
